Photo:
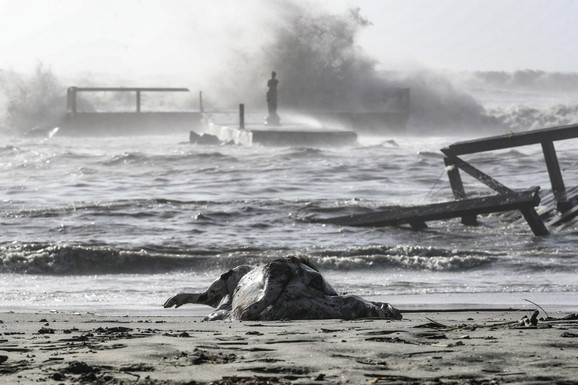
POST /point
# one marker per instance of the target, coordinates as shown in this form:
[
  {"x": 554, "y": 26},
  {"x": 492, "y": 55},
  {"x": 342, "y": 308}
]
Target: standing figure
[{"x": 272, "y": 118}]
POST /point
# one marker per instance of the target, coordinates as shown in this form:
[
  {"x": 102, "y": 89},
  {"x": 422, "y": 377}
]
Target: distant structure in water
[
  {"x": 273, "y": 118},
  {"x": 385, "y": 113},
  {"x": 131, "y": 120}
]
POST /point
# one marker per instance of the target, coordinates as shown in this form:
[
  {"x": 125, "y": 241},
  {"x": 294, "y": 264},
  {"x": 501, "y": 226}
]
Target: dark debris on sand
[{"x": 256, "y": 380}]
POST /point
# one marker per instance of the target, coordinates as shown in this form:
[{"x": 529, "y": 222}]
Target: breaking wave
[
  {"x": 526, "y": 99},
  {"x": 63, "y": 259},
  {"x": 404, "y": 257},
  {"x": 521, "y": 118},
  {"x": 38, "y": 258},
  {"x": 321, "y": 67},
  {"x": 86, "y": 259},
  {"x": 32, "y": 101}
]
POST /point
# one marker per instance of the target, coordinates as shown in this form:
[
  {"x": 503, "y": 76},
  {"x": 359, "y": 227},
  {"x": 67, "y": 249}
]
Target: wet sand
[{"x": 475, "y": 347}]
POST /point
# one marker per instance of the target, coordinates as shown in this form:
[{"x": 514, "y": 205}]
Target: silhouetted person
[{"x": 273, "y": 118}]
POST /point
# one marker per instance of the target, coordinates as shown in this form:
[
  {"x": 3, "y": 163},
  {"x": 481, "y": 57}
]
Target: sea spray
[
  {"x": 322, "y": 68},
  {"x": 33, "y": 101}
]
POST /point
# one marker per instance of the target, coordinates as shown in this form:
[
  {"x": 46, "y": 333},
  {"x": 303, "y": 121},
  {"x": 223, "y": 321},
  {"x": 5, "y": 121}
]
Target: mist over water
[
  {"x": 30, "y": 100},
  {"x": 321, "y": 67},
  {"x": 525, "y": 99}
]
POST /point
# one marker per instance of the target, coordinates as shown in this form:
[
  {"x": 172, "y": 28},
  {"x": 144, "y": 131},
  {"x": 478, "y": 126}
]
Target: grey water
[{"x": 119, "y": 224}]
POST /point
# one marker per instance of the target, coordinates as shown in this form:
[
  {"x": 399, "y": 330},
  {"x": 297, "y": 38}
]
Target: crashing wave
[
  {"x": 521, "y": 118},
  {"x": 77, "y": 259}
]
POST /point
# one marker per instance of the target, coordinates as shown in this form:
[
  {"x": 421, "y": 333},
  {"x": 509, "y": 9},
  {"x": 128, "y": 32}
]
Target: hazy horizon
[
  {"x": 174, "y": 39},
  {"x": 343, "y": 55}
]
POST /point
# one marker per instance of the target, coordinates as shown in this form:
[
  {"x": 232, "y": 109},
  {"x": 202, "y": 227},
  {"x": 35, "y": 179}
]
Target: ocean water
[{"x": 117, "y": 225}]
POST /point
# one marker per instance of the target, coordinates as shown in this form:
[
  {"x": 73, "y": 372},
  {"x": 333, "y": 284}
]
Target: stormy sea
[{"x": 119, "y": 224}]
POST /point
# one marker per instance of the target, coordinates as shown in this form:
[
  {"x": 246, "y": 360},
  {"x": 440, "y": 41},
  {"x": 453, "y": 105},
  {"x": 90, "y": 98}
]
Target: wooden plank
[
  {"x": 564, "y": 217},
  {"x": 548, "y": 211},
  {"x": 513, "y": 140},
  {"x": 534, "y": 221},
  {"x": 569, "y": 221},
  {"x": 496, "y": 203}
]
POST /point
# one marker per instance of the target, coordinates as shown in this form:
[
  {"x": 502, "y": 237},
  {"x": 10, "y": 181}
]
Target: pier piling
[{"x": 242, "y": 116}]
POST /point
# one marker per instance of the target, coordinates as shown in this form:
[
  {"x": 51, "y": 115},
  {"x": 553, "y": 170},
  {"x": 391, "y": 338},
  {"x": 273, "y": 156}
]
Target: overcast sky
[
  {"x": 148, "y": 36},
  {"x": 475, "y": 34}
]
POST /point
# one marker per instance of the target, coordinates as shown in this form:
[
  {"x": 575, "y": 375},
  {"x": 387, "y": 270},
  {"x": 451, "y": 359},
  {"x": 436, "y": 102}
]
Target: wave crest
[
  {"x": 521, "y": 118},
  {"x": 37, "y": 258},
  {"x": 404, "y": 257},
  {"x": 75, "y": 259}
]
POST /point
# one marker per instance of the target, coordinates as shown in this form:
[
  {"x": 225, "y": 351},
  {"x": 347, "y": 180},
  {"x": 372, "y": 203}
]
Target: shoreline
[
  {"x": 450, "y": 347},
  {"x": 151, "y": 305},
  {"x": 545, "y": 301}
]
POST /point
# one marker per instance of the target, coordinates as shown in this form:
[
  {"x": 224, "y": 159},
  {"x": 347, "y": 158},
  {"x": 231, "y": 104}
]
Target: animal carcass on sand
[{"x": 285, "y": 288}]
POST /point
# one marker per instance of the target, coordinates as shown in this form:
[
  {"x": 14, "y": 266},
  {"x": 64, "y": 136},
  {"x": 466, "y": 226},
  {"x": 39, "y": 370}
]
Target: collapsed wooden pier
[
  {"x": 557, "y": 211},
  {"x": 416, "y": 216}
]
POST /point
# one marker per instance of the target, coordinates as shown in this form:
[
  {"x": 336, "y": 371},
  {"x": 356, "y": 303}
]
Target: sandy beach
[{"x": 474, "y": 347}]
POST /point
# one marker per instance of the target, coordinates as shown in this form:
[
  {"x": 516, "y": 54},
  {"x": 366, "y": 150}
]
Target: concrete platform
[
  {"x": 129, "y": 123},
  {"x": 284, "y": 135}
]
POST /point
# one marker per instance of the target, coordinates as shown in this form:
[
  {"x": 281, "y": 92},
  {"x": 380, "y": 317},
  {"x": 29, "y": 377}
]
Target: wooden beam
[
  {"x": 553, "y": 167},
  {"x": 524, "y": 201},
  {"x": 458, "y": 189},
  {"x": 514, "y": 140},
  {"x": 534, "y": 221},
  {"x": 455, "y": 179},
  {"x": 556, "y": 180}
]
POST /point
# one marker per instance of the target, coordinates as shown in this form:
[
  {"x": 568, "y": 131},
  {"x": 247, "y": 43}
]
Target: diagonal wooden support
[
  {"x": 482, "y": 177},
  {"x": 533, "y": 219}
]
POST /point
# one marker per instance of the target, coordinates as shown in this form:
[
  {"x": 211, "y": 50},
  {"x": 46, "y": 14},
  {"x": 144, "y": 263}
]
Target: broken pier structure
[{"x": 560, "y": 208}]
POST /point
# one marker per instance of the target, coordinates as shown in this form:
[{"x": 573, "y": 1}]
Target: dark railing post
[
  {"x": 455, "y": 179},
  {"x": 241, "y": 116},
  {"x": 71, "y": 99},
  {"x": 558, "y": 188},
  {"x": 458, "y": 189},
  {"x": 137, "y": 101}
]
